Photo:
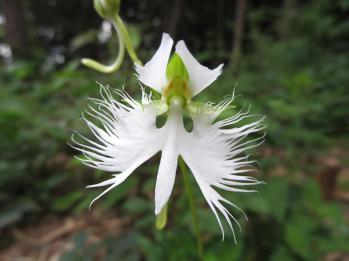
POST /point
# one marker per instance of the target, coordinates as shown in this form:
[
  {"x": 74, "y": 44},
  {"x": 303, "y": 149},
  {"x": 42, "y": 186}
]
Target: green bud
[
  {"x": 176, "y": 68},
  {"x": 107, "y": 9}
]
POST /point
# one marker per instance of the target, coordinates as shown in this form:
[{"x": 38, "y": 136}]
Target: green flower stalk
[{"x": 109, "y": 10}]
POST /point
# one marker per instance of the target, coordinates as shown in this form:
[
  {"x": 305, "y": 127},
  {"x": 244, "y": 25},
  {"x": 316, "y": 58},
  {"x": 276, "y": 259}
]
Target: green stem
[
  {"x": 124, "y": 41},
  {"x": 114, "y": 66},
  {"x": 194, "y": 216},
  {"x": 127, "y": 40}
]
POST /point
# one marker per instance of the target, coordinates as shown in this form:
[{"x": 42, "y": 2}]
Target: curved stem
[
  {"x": 189, "y": 192},
  {"x": 127, "y": 40},
  {"x": 118, "y": 62}
]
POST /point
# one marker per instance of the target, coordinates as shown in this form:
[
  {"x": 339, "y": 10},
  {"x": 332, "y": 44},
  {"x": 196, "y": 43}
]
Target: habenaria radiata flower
[{"x": 214, "y": 150}]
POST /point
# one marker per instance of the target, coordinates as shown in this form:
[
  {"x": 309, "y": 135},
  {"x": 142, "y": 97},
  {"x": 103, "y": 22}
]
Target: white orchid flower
[{"x": 214, "y": 150}]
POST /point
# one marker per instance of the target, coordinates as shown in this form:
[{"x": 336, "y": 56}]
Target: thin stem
[
  {"x": 127, "y": 40},
  {"x": 114, "y": 66},
  {"x": 189, "y": 192},
  {"x": 124, "y": 41}
]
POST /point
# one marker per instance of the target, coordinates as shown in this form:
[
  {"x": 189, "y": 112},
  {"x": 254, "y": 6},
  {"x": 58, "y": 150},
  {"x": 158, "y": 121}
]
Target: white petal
[
  {"x": 199, "y": 76},
  {"x": 125, "y": 138},
  {"x": 173, "y": 129},
  {"x": 153, "y": 73},
  {"x": 211, "y": 154}
]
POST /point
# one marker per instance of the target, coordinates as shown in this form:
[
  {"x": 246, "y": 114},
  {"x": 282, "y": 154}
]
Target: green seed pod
[{"x": 107, "y": 9}]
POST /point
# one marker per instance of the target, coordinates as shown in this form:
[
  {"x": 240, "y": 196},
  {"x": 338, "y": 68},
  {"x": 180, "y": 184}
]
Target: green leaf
[
  {"x": 275, "y": 193},
  {"x": 67, "y": 201},
  {"x": 252, "y": 202},
  {"x": 299, "y": 232},
  {"x": 281, "y": 253},
  {"x": 137, "y": 205}
]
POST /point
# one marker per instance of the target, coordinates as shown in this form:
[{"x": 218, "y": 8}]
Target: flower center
[
  {"x": 178, "y": 76},
  {"x": 179, "y": 89}
]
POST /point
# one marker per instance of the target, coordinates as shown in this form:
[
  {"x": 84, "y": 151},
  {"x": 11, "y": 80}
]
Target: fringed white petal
[
  {"x": 199, "y": 76},
  {"x": 153, "y": 73},
  {"x": 212, "y": 151},
  {"x": 126, "y": 136}
]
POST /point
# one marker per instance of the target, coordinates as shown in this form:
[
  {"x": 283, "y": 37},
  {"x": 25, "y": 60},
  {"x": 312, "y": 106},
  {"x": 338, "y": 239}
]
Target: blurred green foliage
[{"x": 300, "y": 83}]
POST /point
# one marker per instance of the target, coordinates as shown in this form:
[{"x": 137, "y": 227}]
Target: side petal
[
  {"x": 212, "y": 154},
  {"x": 125, "y": 137},
  {"x": 199, "y": 76},
  {"x": 153, "y": 73}
]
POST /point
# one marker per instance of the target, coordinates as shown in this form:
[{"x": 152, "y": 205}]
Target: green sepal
[
  {"x": 176, "y": 68},
  {"x": 161, "y": 219}
]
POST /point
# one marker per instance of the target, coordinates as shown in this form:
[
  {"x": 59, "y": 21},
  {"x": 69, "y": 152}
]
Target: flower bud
[{"x": 107, "y": 9}]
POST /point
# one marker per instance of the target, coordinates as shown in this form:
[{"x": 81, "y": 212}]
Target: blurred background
[{"x": 289, "y": 59}]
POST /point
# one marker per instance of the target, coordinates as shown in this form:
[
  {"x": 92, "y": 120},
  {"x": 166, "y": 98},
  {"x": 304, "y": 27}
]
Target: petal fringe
[
  {"x": 212, "y": 151},
  {"x": 125, "y": 137}
]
